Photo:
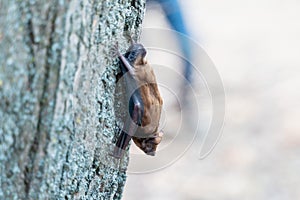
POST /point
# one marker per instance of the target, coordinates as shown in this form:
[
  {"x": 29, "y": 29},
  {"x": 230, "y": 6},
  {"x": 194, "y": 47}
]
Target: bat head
[{"x": 149, "y": 145}]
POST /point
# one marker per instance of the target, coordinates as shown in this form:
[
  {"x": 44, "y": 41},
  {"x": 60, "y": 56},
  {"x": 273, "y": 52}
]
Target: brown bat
[{"x": 144, "y": 102}]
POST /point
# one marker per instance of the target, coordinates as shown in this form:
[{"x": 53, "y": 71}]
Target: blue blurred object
[{"x": 175, "y": 18}]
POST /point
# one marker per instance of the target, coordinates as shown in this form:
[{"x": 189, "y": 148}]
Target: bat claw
[
  {"x": 130, "y": 36},
  {"x": 114, "y": 51}
]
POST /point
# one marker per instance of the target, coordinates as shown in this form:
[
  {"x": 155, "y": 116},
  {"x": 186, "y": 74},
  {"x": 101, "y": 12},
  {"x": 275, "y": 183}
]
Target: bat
[{"x": 144, "y": 102}]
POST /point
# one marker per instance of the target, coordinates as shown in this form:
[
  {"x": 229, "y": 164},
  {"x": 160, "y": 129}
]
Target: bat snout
[{"x": 152, "y": 153}]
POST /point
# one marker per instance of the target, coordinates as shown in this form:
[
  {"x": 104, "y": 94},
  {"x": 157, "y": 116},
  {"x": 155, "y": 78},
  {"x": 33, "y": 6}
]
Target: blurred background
[{"x": 255, "y": 47}]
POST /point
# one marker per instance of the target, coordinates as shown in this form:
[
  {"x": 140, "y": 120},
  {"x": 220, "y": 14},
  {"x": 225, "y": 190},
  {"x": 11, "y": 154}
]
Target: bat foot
[
  {"x": 129, "y": 36},
  {"x": 114, "y": 51}
]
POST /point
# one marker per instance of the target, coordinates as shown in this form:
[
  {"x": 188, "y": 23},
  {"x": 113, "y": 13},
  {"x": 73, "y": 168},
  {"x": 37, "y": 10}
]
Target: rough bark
[{"x": 57, "y": 84}]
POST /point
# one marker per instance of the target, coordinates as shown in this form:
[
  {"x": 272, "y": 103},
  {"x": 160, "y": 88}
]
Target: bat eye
[{"x": 149, "y": 146}]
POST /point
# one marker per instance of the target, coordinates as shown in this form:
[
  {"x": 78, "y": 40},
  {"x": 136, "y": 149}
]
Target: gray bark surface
[{"x": 57, "y": 88}]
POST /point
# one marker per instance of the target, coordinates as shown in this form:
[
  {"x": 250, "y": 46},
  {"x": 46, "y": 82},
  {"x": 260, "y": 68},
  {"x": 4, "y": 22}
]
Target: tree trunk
[{"x": 57, "y": 84}]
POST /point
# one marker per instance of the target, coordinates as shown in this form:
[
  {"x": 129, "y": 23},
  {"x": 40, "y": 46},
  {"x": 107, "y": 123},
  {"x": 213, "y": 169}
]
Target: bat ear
[
  {"x": 161, "y": 133},
  {"x": 158, "y": 138}
]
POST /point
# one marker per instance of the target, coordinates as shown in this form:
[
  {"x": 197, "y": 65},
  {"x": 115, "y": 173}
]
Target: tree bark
[{"x": 57, "y": 88}]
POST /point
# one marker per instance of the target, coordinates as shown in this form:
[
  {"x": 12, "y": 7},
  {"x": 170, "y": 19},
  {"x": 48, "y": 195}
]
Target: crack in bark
[
  {"x": 30, "y": 42},
  {"x": 42, "y": 131},
  {"x": 32, "y": 64}
]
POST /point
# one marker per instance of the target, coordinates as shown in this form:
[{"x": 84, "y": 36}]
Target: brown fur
[{"x": 147, "y": 135}]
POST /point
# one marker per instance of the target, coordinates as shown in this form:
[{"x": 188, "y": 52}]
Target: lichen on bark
[{"x": 57, "y": 83}]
